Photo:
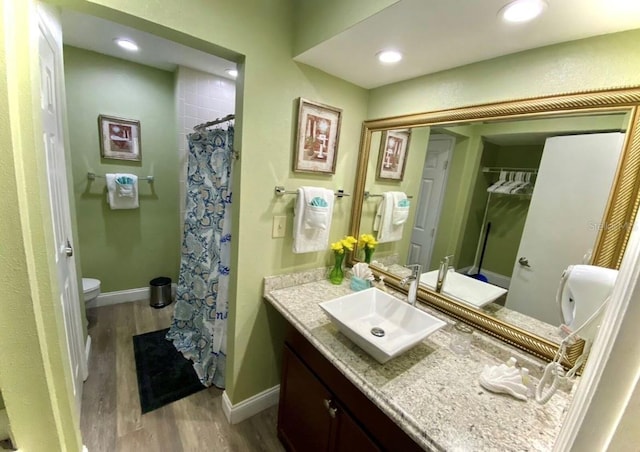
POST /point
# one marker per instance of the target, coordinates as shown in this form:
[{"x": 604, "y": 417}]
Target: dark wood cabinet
[
  {"x": 320, "y": 410},
  {"x": 350, "y": 437},
  {"x": 304, "y": 419}
]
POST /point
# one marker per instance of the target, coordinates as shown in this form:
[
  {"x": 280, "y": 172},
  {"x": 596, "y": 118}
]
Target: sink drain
[{"x": 378, "y": 332}]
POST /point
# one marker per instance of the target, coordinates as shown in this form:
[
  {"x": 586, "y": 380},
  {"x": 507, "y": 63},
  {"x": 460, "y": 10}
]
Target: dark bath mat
[{"x": 164, "y": 375}]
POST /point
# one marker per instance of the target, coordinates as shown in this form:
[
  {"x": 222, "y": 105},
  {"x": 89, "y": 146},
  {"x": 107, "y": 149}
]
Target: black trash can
[{"x": 160, "y": 292}]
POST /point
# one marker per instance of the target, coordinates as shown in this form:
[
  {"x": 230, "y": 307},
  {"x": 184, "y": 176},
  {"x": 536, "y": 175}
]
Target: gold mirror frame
[{"x": 620, "y": 213}]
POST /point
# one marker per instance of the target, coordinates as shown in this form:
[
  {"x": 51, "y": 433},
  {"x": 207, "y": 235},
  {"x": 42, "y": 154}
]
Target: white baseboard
[
  {"x": 251, "y": 406},
  {"x": 87, "y": 348},
  {"x": 87, "y": 355},
  {"x": 123, "y": 296},
  {"x": 494, "y": 278}
]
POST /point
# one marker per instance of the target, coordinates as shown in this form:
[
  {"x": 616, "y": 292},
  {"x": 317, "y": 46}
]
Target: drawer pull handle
[{"x": 332, "y": 411}]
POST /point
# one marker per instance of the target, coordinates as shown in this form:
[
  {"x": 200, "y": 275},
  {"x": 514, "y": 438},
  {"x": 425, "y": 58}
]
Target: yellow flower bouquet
[
  {"x": 368, "y": 243},
  {"x": 346, "y": 244}
]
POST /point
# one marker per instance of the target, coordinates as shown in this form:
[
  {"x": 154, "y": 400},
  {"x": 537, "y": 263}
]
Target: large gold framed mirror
[{"x": 477, "y": 150}]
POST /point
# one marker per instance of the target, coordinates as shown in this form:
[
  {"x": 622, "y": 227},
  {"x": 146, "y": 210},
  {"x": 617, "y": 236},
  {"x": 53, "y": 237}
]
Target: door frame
[
  {"x": 452, "y": 144},
  {"x": 49, "y": 27}
]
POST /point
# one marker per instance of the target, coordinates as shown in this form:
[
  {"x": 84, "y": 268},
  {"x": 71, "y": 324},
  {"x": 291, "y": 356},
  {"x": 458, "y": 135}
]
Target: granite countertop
[{"x": 432, "y": 393}]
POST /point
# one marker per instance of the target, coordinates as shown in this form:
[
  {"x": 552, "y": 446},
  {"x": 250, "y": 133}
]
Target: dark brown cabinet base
[{"x": 320, "y": 410}]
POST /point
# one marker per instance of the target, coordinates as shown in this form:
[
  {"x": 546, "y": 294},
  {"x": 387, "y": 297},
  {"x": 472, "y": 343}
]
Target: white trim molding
[
  {"x": 494, "y": 278},
  {"x": 87, "y": 354},
  {"x": 251, "y": 406},
  {"x": 124, "y": 296},
  {"x": 610, "y": 374}
]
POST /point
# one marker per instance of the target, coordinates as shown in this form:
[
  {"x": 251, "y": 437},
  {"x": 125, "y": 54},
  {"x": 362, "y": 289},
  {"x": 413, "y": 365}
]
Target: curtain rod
[{"x": 204, "y": 125}]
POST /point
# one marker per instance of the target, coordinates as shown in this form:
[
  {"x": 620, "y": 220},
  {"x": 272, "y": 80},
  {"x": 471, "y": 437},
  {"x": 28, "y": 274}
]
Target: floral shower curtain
[{"x": 199, "y": 326}]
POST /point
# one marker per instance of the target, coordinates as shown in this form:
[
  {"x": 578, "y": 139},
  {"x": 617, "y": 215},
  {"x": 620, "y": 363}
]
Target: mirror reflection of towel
[{"x": 391, "y": 215}]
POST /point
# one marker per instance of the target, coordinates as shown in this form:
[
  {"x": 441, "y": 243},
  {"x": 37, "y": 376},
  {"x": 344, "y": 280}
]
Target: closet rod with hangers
[
  {"x": 204, "y": 125},
  {"x": 494, "y": 169}
]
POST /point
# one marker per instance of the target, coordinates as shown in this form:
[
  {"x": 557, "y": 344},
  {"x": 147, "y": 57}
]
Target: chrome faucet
[
  {"x": 412, "y": 280},
  {"x": 442, "y": 272}
]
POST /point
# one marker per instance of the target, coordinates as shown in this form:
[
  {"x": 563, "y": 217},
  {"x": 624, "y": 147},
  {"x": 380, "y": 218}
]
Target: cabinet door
[
  {"x": 350, "y": 436},
  {"x": 304, "y": 422}
]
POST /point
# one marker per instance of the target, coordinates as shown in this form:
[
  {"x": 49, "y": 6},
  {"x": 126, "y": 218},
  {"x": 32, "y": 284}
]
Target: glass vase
[
  {"x": 337, "y": 274},
  {"x": 368, "y": 254}
]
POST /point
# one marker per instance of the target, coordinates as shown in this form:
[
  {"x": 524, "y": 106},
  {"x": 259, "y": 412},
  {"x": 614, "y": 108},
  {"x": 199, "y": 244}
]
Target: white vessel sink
[
  {"x": 464, "y": 288},
  {"x": 363, "y": 316}
]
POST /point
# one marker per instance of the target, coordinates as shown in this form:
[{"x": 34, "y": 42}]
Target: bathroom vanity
[
  {"x": 337, "y": 397},
  {"x": 319, "y": 406}
]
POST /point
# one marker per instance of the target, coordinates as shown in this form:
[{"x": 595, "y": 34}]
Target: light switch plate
[{"x": 279, "y": 226}]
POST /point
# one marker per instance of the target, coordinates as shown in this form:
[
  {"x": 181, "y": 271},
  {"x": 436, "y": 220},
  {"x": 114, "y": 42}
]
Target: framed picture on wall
[
  {"x": 392, "y": 156},
  {"x": 119, "y": 138},
  {"x": 317, "y": 138}
]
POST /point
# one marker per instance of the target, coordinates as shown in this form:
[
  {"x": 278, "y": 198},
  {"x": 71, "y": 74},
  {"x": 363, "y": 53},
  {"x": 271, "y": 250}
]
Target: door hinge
[
  {"x": 433, "y": 232},
  {"x": 446, "y": 164}
]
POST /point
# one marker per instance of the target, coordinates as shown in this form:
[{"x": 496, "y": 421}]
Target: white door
[
  {"x": 434, "y": 179},
  {"x": 569, "y": 198},
  {"x": 51, "y": 78}
]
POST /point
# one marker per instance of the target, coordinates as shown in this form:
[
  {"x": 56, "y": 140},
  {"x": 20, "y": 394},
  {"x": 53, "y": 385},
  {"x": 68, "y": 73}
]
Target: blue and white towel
[
  {"x": 312, "y": 219},
  {"x": 391, "y": 215},
  {"x": 122, "y": 191}
]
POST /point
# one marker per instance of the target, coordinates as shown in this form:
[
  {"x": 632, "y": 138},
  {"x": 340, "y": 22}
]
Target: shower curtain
[{"x": 199, "y": 326}]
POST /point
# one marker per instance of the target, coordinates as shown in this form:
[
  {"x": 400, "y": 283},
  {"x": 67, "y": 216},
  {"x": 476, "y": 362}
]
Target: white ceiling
[
  {"x": 435, "y": 35},
  {"x": 92, "y": 33}
]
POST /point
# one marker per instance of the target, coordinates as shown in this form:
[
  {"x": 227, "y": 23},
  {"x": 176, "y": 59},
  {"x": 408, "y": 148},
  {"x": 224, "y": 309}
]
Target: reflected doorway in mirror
[{"x": 430, "y": 200}]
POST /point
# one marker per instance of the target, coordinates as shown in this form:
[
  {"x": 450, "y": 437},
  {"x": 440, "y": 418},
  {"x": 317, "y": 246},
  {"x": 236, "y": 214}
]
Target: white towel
[
  {"x": 122, "y": 196},
  {"x": 390, "y": 217},
  {"x": 311, "y": 225}
]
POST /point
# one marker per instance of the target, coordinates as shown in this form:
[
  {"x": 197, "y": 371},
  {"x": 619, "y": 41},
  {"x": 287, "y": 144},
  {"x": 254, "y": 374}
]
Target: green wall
[
  {"x": 316, "y": 21},
  {"x": 124, "y": 248},
  {"x": 259, "y": 35},
  {"x": 594, "y": 63}
]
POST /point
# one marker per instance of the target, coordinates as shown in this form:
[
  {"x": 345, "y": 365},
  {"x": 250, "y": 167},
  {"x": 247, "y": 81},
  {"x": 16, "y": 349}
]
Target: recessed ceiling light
[
  {"x": 389, "y": 56},
  {"x": 127, "y": 44},
  {"x": 522, "y": 10},
  {"x": 232, "y": 72}
]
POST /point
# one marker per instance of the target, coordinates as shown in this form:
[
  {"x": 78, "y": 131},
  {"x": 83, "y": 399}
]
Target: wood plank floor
[{"x": 111, "y": 419}]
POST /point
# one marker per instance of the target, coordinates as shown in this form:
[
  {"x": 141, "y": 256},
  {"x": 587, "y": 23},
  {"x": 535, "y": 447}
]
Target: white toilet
[{"x": 90, "y": 289}]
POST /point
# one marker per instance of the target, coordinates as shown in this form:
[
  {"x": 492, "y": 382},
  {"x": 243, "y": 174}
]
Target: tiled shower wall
[{"x": 200, "y": 97}]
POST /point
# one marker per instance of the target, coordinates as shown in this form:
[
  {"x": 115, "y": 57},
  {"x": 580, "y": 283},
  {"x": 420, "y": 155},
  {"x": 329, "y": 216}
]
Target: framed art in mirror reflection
[{"x": 392, "y": 156}]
